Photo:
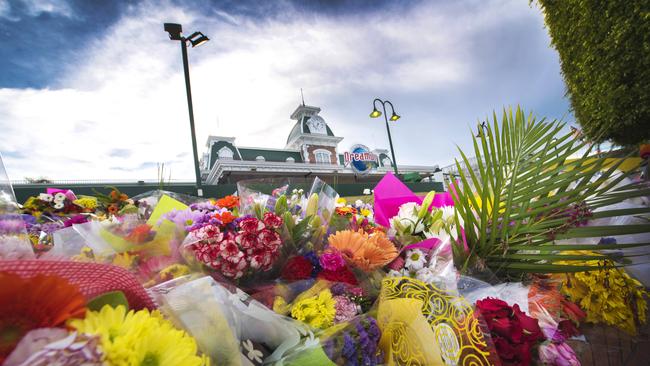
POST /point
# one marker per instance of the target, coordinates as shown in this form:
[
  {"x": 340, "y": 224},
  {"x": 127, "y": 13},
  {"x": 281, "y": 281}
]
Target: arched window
[
  {"x": 386, "y": 162},
  {"x": 323, "y": 156},
  {"x": 290, "y": 160},
  {"x": 260, "y": 158},
  {"x": 225, "y": 153}
]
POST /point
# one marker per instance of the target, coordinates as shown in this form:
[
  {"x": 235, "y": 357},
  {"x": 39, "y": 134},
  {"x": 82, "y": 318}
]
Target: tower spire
[{"x": 302, "y": 96}]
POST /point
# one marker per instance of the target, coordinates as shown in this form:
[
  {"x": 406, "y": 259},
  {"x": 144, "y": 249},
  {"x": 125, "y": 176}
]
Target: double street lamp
[
  {"x": 196, "y": 39},
  {"x": 394, "y": 117}
]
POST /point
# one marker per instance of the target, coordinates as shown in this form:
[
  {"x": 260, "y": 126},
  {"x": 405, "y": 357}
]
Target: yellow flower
[
  {"x": 608, "y": 296},
  {"x": 86, "y": 202},
  {"x": 341, "y": 201},
  {"x": 139, "y": 338},
  {"x": 365, "y": 212},
  {"x": 317, "y": 311},
  {"x": 124, "y": 260}
]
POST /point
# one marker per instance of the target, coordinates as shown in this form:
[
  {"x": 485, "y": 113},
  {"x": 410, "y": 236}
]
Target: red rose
[
  {"x": 567, "y": 329},
  {"x": 251, "y": 225},
  {"x": 342, "y": 275},
  {"x": 272, "y": 220},
  {"x": 532, "y": 331},
  {"x": 504, "y": 348},
  {"x": 493, "y": 308},
  {"x": 297, "y": 268}
]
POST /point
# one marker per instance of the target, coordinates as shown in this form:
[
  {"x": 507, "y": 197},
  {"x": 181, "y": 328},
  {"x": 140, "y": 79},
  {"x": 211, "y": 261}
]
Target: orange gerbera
[
  {"x": 366, "y": 251},
  {"x": 228, "y": 202},
  {"x": 140, "y": 234},
  {"x": 38, "y": 302}
]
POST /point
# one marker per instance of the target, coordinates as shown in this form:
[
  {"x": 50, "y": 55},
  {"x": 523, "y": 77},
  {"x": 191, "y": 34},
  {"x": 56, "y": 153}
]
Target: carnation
[
  {"x": 342, "y": 275},
  {"x": 331, "y": 260},
  {"x": 297, "y": 268}
]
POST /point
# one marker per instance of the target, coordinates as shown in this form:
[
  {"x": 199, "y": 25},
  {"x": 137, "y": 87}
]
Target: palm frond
[{"x": 532, "y": 184}]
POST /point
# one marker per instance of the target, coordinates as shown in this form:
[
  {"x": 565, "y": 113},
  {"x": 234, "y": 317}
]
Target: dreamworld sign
[{"x": 360, "y": 159}]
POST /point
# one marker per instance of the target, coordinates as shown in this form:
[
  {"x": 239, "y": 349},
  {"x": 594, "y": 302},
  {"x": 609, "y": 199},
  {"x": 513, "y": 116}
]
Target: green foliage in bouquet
[{"x": 531, "y": 185}]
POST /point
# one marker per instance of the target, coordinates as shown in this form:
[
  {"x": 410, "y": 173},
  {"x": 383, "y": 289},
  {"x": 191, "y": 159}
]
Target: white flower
[
  {"x": 59, "y": 205},
  {"x": 59, "y": 197},
  {"x": 407, "y": 216},
  {"x": 415, "y": 259},
  {"x": 252, "y": 353},
  {"x": 45, "y": 197},
  {"x": 394, "y": 273},
  {"x": 426, "y": 275},
  {"x": 358, "y": 203},
  {"x": 366, "y": 191}
]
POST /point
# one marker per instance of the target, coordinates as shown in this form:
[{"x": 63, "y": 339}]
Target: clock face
[{"x": 316, "y": 125}]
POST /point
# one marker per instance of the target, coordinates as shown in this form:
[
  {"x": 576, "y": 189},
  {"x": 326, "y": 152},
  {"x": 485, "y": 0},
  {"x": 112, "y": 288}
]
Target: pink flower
[
  {"x": 272, "y": 220},
  {"x": 345, "y": 309},
  {"x": 251, "y": 225},
  {"x": 246, "y": 240},
  {"x": 555, "y": 354},
  {"x": 269, "y": 238},
  {"x": 331, "y": 260},
  {"x": 230, "y": 251},
  {"x": 209, "y": 232},
  {"x": 233, "y": 268}
]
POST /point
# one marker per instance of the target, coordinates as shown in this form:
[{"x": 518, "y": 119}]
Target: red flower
[
  {"x": 493, "y": 308},
  {"x": 246, "y": 240},
  {"x": 37, "y": 302},
  {"x": 342, "y": 275},
  {"x": 251, "y": 225},
  {"x": 272, "y": 220},
  {"x": 573, "y": 311},
  {"x": 233, "y": 267},
  {"x": 297, "y": 268},
  {"x": 269, "y": 238},
  {"x": 532, "y": 331},
  {"x": 140, "y": 234},
  {"x": 567, "y": 329}
]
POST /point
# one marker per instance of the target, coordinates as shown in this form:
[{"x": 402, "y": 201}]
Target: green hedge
[{"x": 604, "y": 48}]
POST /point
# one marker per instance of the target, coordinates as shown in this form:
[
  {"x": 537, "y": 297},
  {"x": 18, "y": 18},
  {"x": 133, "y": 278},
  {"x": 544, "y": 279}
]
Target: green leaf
[{"x": 113, "y": 299}]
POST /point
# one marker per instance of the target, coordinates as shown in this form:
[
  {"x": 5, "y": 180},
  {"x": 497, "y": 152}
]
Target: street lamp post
[
  {"x": 196, "y": 39},
  {"x": 394, "y": 117}
]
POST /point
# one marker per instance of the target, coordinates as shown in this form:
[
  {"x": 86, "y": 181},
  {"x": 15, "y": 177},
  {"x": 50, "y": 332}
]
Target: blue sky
[{"x": 94, "y": 89}]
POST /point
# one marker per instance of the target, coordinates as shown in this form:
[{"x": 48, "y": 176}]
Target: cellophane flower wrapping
[
  {"x": 249, "y": 332},
  {"x": 460, "y": 334},
  {"x": 146, "y": 246},
  {"x": 14, "y": 242}
]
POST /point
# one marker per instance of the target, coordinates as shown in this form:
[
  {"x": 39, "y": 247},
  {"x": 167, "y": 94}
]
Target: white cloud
[{"x": 126, "y": 91}]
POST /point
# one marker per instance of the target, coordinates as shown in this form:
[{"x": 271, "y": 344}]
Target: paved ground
[{"x": 609, "y": 346}]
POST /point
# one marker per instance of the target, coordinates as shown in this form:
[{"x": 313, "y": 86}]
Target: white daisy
[
  {"x": 426, "y": 275},
  {"x": 59, "y": 197},
  {"x": 45, "y": 197},
  {"x": 394, "y": 273},
  {"x": 59, "y": 205},
  {"x": 415, "y": 259}
]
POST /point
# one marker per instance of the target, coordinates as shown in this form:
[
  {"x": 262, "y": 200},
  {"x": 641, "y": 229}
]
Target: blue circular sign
[{"x": 360, "y": 159}]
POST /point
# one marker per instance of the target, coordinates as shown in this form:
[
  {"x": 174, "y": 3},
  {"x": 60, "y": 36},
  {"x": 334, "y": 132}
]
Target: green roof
[{"x": 270, "y": 155}]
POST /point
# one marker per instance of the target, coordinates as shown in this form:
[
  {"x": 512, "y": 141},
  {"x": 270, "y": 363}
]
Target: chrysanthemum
[
  {"x": 415, "y": 259},
  {"x": 37, "y": 302},
  {"x": 318, "y": 311},
  {"x": 365, "y": 251},
  {"x": 139, "y": 338}
]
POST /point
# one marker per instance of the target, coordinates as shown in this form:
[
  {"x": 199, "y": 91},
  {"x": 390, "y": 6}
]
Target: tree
[{"x": 604, "y": 49}]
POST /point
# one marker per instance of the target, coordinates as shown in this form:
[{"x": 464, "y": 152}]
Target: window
[
  {"x": 323, "y": 157},
  {"x": 225, "y": 153},
  {"x": 386, "y": 162},
  {"x": 291, "y": 160},
  {"x": 260, "y": 158}
]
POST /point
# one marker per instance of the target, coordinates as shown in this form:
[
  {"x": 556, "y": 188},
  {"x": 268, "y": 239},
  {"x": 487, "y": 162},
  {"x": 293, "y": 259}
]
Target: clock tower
[{"x": 313, "y": 137}]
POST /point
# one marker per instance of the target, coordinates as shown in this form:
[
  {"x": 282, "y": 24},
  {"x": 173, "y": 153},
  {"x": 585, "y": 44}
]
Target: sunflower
[
  {"x": 38, "y": 302},
  {"x": 139, "y": 338},
  {"x": 366, "y": 251}
]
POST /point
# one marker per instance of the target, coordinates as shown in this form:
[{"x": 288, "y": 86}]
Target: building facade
[{"x": 312, "y": 149}]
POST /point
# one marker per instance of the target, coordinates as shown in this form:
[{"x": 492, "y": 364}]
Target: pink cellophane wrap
[
  {"x": 68, "y": 193},
  {"x": 391, "y": 193},
  {"x": 92, "y": 279}
]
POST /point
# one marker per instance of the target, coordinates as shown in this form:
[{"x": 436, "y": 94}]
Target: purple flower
[
  {"x": 11, "y": 225},
  {"x": 331, "y": 261},
  {"x": 313, "y": 258},
  {"x": 349, "y": 347}
]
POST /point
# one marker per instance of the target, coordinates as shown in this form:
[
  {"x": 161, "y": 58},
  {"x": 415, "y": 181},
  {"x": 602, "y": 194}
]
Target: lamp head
[
  {"x": 174, "y": 31},
  {"x": 395, "y": 117},
  {"x": 197, "y": 39},
  {"x": 375, "y": 113}
]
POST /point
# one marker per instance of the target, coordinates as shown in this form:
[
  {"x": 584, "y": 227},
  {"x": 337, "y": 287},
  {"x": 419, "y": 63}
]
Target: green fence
[{"x": 23, "y": 191}]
